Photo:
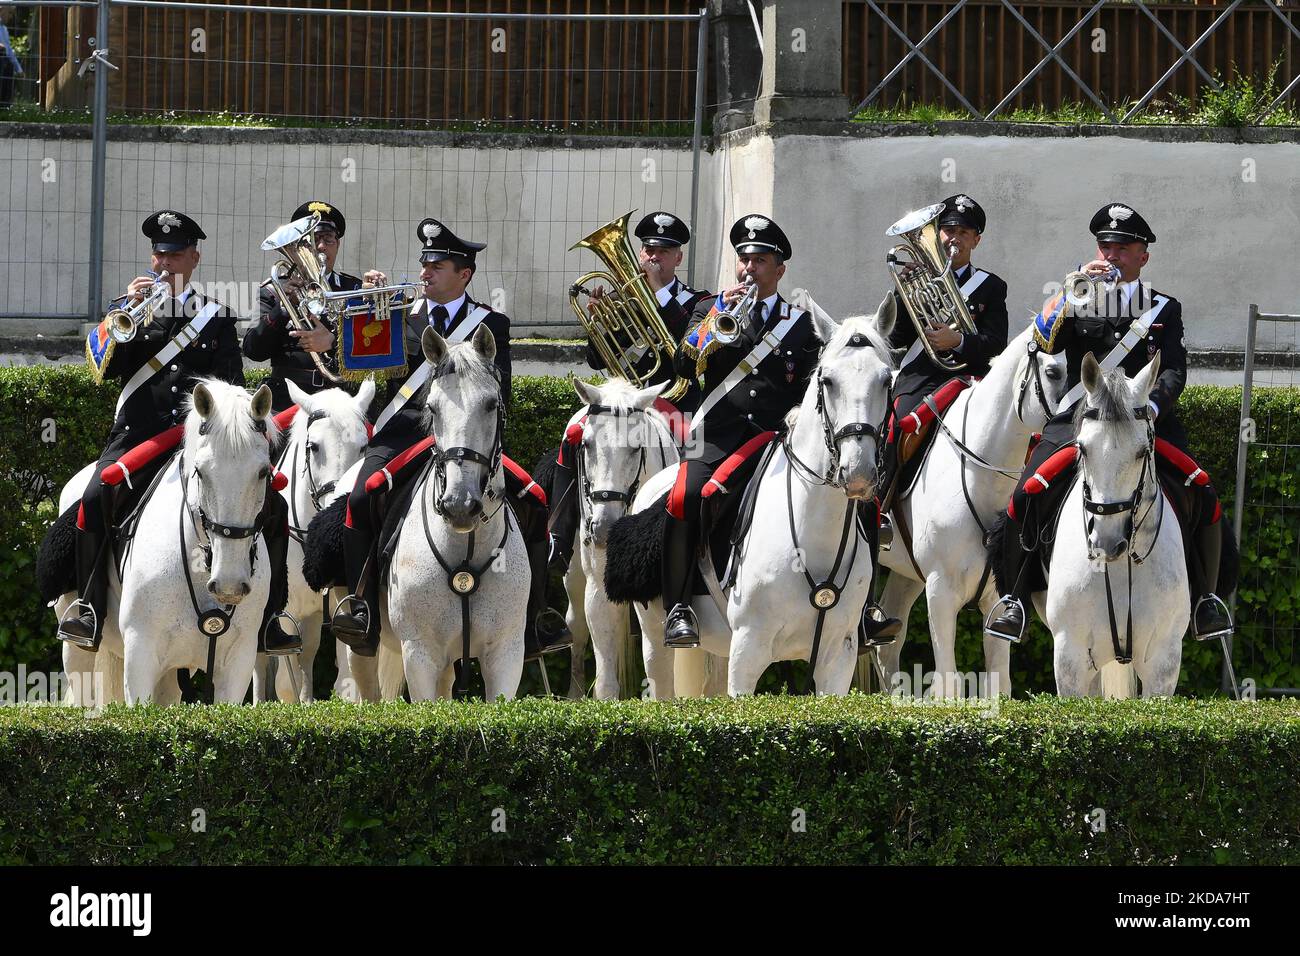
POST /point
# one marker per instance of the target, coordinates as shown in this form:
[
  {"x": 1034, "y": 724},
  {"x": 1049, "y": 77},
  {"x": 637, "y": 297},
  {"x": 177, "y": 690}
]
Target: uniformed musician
[
  {"x": 271, "y": 338},
  {"x": 155, "y": 405},
  {"x": 961, "y": 226},
  {"x": 662, "y": 237},
  {"x": 730, "y": 412},
  {"x": 1123, "y": 240},
  {"x": 448, "y": 264}
]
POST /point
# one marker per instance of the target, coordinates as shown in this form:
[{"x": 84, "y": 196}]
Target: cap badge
[
  {"x": 663, "y": 221},
  {"x": 963, "y": 203},
  {"x": 167, "y": 220},
  {"x": 1118, "y": 214},
  {"x": 321, "y": 207},
  {"x": 754, "y": 224},
  {"x": 430, "y": 230}
]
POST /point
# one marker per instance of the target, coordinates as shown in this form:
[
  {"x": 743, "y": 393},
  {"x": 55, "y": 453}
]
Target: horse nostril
[
  {"x": 212, "y": 587},
  {"x": 245, "y": 588}
]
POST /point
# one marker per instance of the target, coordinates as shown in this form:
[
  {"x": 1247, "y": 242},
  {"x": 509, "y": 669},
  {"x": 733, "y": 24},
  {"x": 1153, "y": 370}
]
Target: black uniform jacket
[
  {"x": 988, "y": 307},
  {"x": 761, "y": 400},
  {"x": 160, "y": 402},
  {"x": 403, "y": 429},
  {"x": 268, "y": 339}
]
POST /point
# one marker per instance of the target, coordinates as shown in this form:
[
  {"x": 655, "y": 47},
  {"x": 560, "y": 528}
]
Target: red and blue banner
[
  {"x": 369, "y": 345},
  {"x": 99, "y": 350}
]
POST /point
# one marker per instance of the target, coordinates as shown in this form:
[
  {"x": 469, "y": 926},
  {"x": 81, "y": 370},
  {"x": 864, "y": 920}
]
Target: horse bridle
[
  {"x": 1132, "y": 525},
  {"x": 831, "y": 436},
  {"x": 1033, "y": 351},
  {"x": 491, "y": 463},
  {"x": 1126, "y": 506},
  {"x": 315, "y": 492},
  {"x": 592, "y": 495}
]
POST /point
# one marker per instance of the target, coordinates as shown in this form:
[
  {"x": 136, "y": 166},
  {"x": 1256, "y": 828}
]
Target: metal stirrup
[
  {"x": 1212, "y": 598},
  {"x": 1006, "y": 602}
]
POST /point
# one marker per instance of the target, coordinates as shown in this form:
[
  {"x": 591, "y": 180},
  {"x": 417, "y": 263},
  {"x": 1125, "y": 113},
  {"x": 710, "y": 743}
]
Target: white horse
[
  {"x": 459, "y": 572},
  {"x": 1118, "y": 556},
  {"x": 806, "y": 503},
  {"x": 955, "y": 500},
  {"x": 327, "y": 437},
  {"x": 624, "y": 441},
  {"x": 180, "y": 558}
]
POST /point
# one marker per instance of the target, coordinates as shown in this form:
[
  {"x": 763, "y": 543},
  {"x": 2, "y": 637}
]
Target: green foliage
[
  {"x": 1269, "y": 602},
  {"x": 1239, "y": 101},
  {"x": 55, "y": 421},
  {"x": 635, "y": 782}
]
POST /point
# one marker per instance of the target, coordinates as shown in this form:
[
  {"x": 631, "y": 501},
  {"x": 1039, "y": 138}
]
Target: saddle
[
  {"x": 1047, "y": 488},
  {"x": 914, "y": 434}
]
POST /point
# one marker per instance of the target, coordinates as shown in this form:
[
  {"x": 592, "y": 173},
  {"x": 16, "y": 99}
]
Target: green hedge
[
  {"x": 32, "y": 398},
  {"x": 721, "y": 781}
]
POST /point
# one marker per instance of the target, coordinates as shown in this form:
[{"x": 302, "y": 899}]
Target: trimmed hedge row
[
  {"x": 54, "y": 421},
  {"x": 753, "y": 781}
]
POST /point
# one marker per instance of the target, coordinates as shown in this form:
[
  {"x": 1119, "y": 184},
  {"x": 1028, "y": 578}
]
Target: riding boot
[
  {"x": 680, "y": 540},
  {"x": 355, "y": 621},
  {"x": 1211, "y": 617},
  {"x": 1007, "y": 618},
  {"x": 564, "y": 517},
  {"x": 874, "y": 629},
  {"x": 271, "y": 638},
  {"x": 83, "y": 622}
]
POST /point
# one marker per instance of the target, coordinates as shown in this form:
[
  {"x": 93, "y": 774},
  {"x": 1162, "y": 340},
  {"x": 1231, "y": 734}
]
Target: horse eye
[
  {"x": 263, "y": 471},
  {"x": 311, "y": 447},
  {"x": 1053, "y": 373}
]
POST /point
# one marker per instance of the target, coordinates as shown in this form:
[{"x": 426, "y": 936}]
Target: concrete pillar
[
  {"x": 737, "y": 63},
  {"x": 802, "y": 49}
]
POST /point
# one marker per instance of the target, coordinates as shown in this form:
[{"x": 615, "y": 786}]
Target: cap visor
[
  {"x": 1120, "y": 237},
  {"x": 660, "y": 241},
  {"x": 171, "y": 246}
]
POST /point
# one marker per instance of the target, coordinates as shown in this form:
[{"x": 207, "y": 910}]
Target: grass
[
  {"x": 1238, "y": 102},
  {"x": 33, "y": 113}
]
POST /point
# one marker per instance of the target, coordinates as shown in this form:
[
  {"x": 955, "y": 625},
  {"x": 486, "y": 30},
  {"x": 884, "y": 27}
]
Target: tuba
[
  {"x": 124, "y": 323},
  {"x": 624, "y": 326},
  {"x": 929, "y": 291}
]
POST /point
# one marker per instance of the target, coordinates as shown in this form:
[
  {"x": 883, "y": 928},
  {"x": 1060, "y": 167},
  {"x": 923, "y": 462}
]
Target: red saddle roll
[
  {"x": 141, "y": 455},
  {"x": 1051, "y": 469},
  {"x": 384, "y": 476},
  {"x": 942, "y": 397},
  {"x": 722, "y": 474}
]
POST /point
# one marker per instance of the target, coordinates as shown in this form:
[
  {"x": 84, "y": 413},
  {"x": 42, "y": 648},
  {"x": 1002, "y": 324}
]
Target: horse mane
[
  {"x": 1110, "y": 401},
  {"x": 464, "y": 360},
  {"x": 336, "y": 403},
  {"x": 231, "y": 425}
]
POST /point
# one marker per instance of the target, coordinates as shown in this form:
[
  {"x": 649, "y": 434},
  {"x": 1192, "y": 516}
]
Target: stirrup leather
[
  {"x": 1212, "y": 598},
  {"x": 1005, "y": 603},
  {"x": 75, "y": 610}
]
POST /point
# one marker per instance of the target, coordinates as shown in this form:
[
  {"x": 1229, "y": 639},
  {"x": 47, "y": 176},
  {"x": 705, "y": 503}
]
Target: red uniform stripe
[{"x": 677, "y": 497}]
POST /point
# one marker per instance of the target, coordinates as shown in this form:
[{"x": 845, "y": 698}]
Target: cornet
[
  {"x": 726, "y": 325},
  {"x": 124, "y": 323}
]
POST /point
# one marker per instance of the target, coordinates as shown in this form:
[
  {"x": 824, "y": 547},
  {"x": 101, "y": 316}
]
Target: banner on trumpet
[{"x": 371, "y": 342}]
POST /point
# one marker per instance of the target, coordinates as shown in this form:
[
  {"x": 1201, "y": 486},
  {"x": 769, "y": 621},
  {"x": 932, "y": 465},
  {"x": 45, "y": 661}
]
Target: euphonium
[
  {"x": 624, "y": 325},
  {"x": 929, "y": 290},
  {"x": 124, "y": 323}
]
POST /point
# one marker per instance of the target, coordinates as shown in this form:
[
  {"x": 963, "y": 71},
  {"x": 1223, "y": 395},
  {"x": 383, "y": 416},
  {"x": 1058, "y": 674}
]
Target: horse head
[
  {"x": 847, "y": 399},
  {"x": 226, "y": 467},
  {"x": 620, "y": 439},
  {"x": 1114, "y": 429},
  {"x": 331, "y": 431},
  {"x": 464, "y": 411}
]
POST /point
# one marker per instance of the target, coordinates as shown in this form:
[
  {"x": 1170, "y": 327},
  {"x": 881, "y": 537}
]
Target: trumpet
[
  {"x": 726, "y": 325},
  {"x": 124, "y": 323}
]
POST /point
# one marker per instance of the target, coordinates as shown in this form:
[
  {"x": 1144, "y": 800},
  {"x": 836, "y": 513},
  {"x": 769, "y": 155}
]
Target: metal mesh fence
[
  {"x": 505, "y": 85},
  {"x": 1267, "y": 511}
]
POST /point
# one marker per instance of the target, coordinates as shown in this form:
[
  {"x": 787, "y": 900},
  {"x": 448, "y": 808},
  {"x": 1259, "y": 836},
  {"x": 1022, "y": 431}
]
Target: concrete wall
[
  {"x": 1223, "y": 243},
  {"x": 529, "y": 198}
]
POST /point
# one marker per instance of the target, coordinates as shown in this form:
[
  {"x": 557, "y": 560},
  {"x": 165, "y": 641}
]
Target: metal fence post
[
  {"x": 1239, "y": 498},
  {"x": 98, "y": 160},
  {"x": 701, "y": 59}
]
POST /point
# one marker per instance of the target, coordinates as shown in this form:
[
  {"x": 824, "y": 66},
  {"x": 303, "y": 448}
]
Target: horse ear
[
  {"x": 365, "y": 395},
  {"x": 298, "y": 396},
  {"x": 1151, "y": 373},
  {"x": 645, "y": 397},
  {"x": 887, "y": 314},
  {"x": 433, "y": 345},
  {"x": 261, "y": 403},
  {"x": 1090, "y": 374},
  {"x": 589, "y": 394},
  {"x": 484, "y": 343},
  {"x": 202, "y": 400},
  {"x": 823, "y": 324}
]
